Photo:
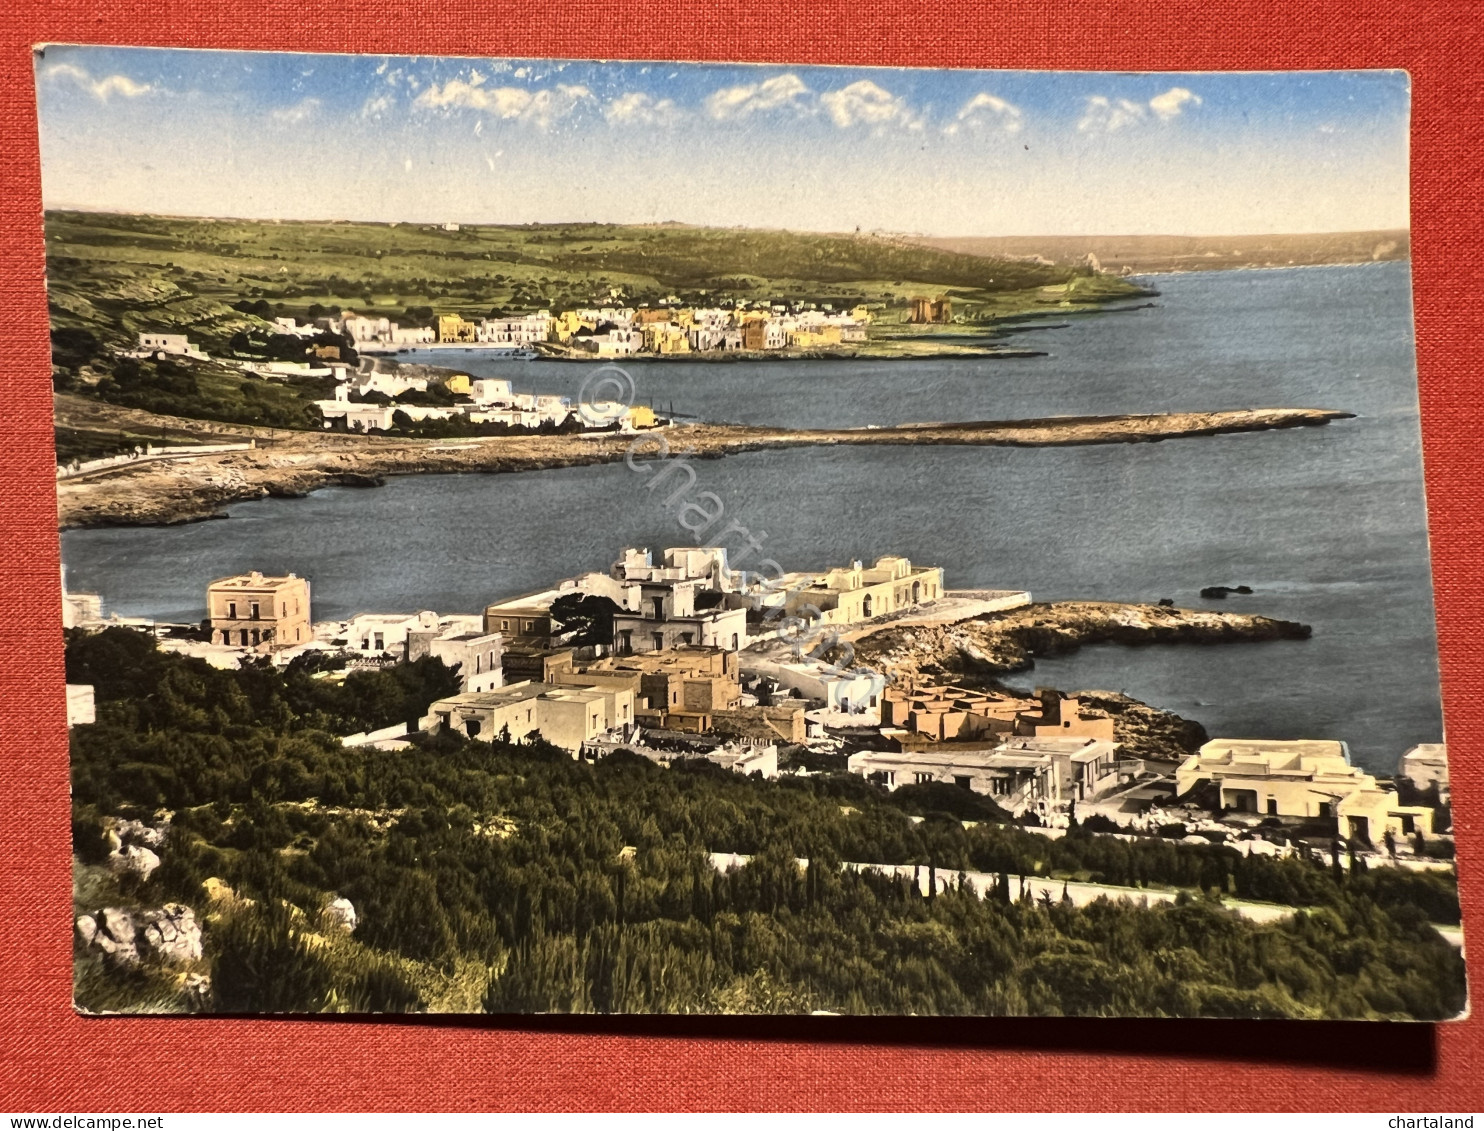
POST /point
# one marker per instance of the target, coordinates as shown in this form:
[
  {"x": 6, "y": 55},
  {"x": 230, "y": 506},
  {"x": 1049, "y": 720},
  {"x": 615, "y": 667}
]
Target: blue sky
[{"x": 821, "y": 148}]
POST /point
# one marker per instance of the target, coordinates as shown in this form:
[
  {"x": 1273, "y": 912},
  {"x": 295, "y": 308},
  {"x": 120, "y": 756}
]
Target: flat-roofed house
[
  {"x": 251, "y": 610},
  {"x": 568, "y": 717},
  {"x": 477, "y": 655},
  {"x": 1019, "y": 774},
  {"x": 948, "y": 713},
  {"x": 854, "y": 593},
  {"x": 677, "y": 688},
  {"x": 1426, "y": 765},
  {"x": 1302, "y": 779}
]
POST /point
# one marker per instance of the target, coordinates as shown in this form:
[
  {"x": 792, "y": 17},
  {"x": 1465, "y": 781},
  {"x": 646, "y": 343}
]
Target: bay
[{"x": 1327, "y": 525}]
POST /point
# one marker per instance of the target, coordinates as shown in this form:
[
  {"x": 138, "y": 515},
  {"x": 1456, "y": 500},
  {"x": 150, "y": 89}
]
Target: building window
[
  {"x": 231, "y": 610},
  {"x": 253, "y": 609},
  {"x": 922, "y": 778},
  {"x": 380, "y": 642},
  {"x": 244, "y": 637}
]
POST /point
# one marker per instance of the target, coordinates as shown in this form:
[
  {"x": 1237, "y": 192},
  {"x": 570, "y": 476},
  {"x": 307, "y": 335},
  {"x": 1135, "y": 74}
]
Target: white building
[
  {"x": 526, "y": 329},
  {"x": 373, "y": 634},
  {"x": 289, "y": 326},
  {"x": 476, "y": 655},
  {"x": 173, "y": 345},
  {"x": 1426, "y": 765},
  {"x": 360, "y": 328},
  {"x": 491, "y": 391},
  {"x": 851, "y": 693},
  {"x": 1020, "y": 774},
  {"x": 357, "y": 417},
  {"x": 567, "y": 717},
  {"x": 388, "y": 384}
]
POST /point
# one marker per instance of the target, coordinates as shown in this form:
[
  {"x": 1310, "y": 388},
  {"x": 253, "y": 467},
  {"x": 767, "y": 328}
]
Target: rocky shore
[
  {"x": 990, "y": 647},
  {"x": 289, "y": 464},
  {"x": 985, "y": 650}
]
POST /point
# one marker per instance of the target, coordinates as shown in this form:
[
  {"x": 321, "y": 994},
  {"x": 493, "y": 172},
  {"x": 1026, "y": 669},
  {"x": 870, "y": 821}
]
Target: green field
[
  {"x": 119, "y": 274},
  {"x": 111, "y": 276}
]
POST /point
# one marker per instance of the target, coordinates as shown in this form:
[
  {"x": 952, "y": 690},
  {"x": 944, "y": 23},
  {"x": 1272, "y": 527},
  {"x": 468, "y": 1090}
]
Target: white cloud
[
  {"x": 1108, "y": 115},
  {"x": 784, "y": 92},
  {"x": 376, "y": 105},
  {"x": 1169, "y": 104},
  {"x": 863, "y": 103},
  {"x": 101, "y": 89},
  {"x": 642, "y": 109},
  {"x": 1104, "y": 115},
  {"x": 539, "y": 106},
  {"x": 987, "y": 111},
  {"x": 300, "y": 111}
]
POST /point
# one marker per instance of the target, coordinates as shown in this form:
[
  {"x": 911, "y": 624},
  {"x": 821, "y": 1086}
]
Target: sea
[{"x": 1328, "y": 525}]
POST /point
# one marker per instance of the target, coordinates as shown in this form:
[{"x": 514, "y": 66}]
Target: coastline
[{"x": 292, "y": 464}]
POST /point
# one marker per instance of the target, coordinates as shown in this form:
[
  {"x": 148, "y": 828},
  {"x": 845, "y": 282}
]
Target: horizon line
[{"x": 881, "y": 232}]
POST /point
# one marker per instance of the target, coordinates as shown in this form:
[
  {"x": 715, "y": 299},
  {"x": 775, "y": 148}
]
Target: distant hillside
[
  {"x": 117, "y": 274},
  {"x": 1152, "y": 254}
]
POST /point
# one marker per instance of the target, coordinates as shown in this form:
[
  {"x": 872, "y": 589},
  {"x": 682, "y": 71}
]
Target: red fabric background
[{"x": 55, "y": 1061}]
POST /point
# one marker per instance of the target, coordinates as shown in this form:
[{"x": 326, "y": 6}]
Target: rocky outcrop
[
  {"x": 340, "y": 915},
  {"x": 1147, "y": 732},
  {"x": 168, "y": 934},
  {"x": 131, "y": 860},
  {"x": 133, "y": 845},
  {"x": 1001, "y": 644},
  {"x": 296, "y": 463}
]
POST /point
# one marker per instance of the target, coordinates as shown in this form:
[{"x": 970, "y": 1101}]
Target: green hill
[{"x": 117, "y": 274}]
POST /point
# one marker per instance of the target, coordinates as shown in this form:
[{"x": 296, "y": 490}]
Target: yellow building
[
  {"x": 453, "y": 328},
  {"x": 252, "y": 611},
  {"x": 855, "y": 593},
  {"x": 568, "y": 323},
  {"x": 458, "y": 383},
  {"x": 666, "y": 337},
  {"x": 826, "y": 335},
  {"x": 638, "y": 416},
  {"x": 1300, "y": 779}
]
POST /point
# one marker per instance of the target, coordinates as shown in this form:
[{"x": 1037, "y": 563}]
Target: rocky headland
[
  {"x": 289, "y": 464},
  {"x": 996, "y": 645}
]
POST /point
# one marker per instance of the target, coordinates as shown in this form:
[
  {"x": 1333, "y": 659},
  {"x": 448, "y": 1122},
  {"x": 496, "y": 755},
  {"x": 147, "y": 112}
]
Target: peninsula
[{"x": 186, "y": 486}]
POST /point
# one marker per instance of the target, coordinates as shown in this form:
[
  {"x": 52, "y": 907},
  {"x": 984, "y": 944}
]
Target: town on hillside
[{"x": 685, "y": 657}]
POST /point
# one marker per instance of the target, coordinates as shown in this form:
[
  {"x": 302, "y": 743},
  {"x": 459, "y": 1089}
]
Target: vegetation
[
  {"x": 115, "y": 275},
  {"x": 507, "y": 876}
]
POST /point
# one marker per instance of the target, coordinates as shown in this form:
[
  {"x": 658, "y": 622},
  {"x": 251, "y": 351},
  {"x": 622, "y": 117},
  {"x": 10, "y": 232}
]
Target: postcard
[{"x": 560, "y": 536}]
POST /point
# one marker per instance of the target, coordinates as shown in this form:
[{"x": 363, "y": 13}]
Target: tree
[{"x": 584, "y": 618}]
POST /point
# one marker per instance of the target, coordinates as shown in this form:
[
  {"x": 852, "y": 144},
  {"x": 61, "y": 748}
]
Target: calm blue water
[{"x": 1327, "y": 525}]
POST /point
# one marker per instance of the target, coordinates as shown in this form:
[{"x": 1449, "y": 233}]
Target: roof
[
  {"x": 1076, "y": 747},
  {"x": 520, "y": 693},
  {"x": 249, "y": 581}
]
